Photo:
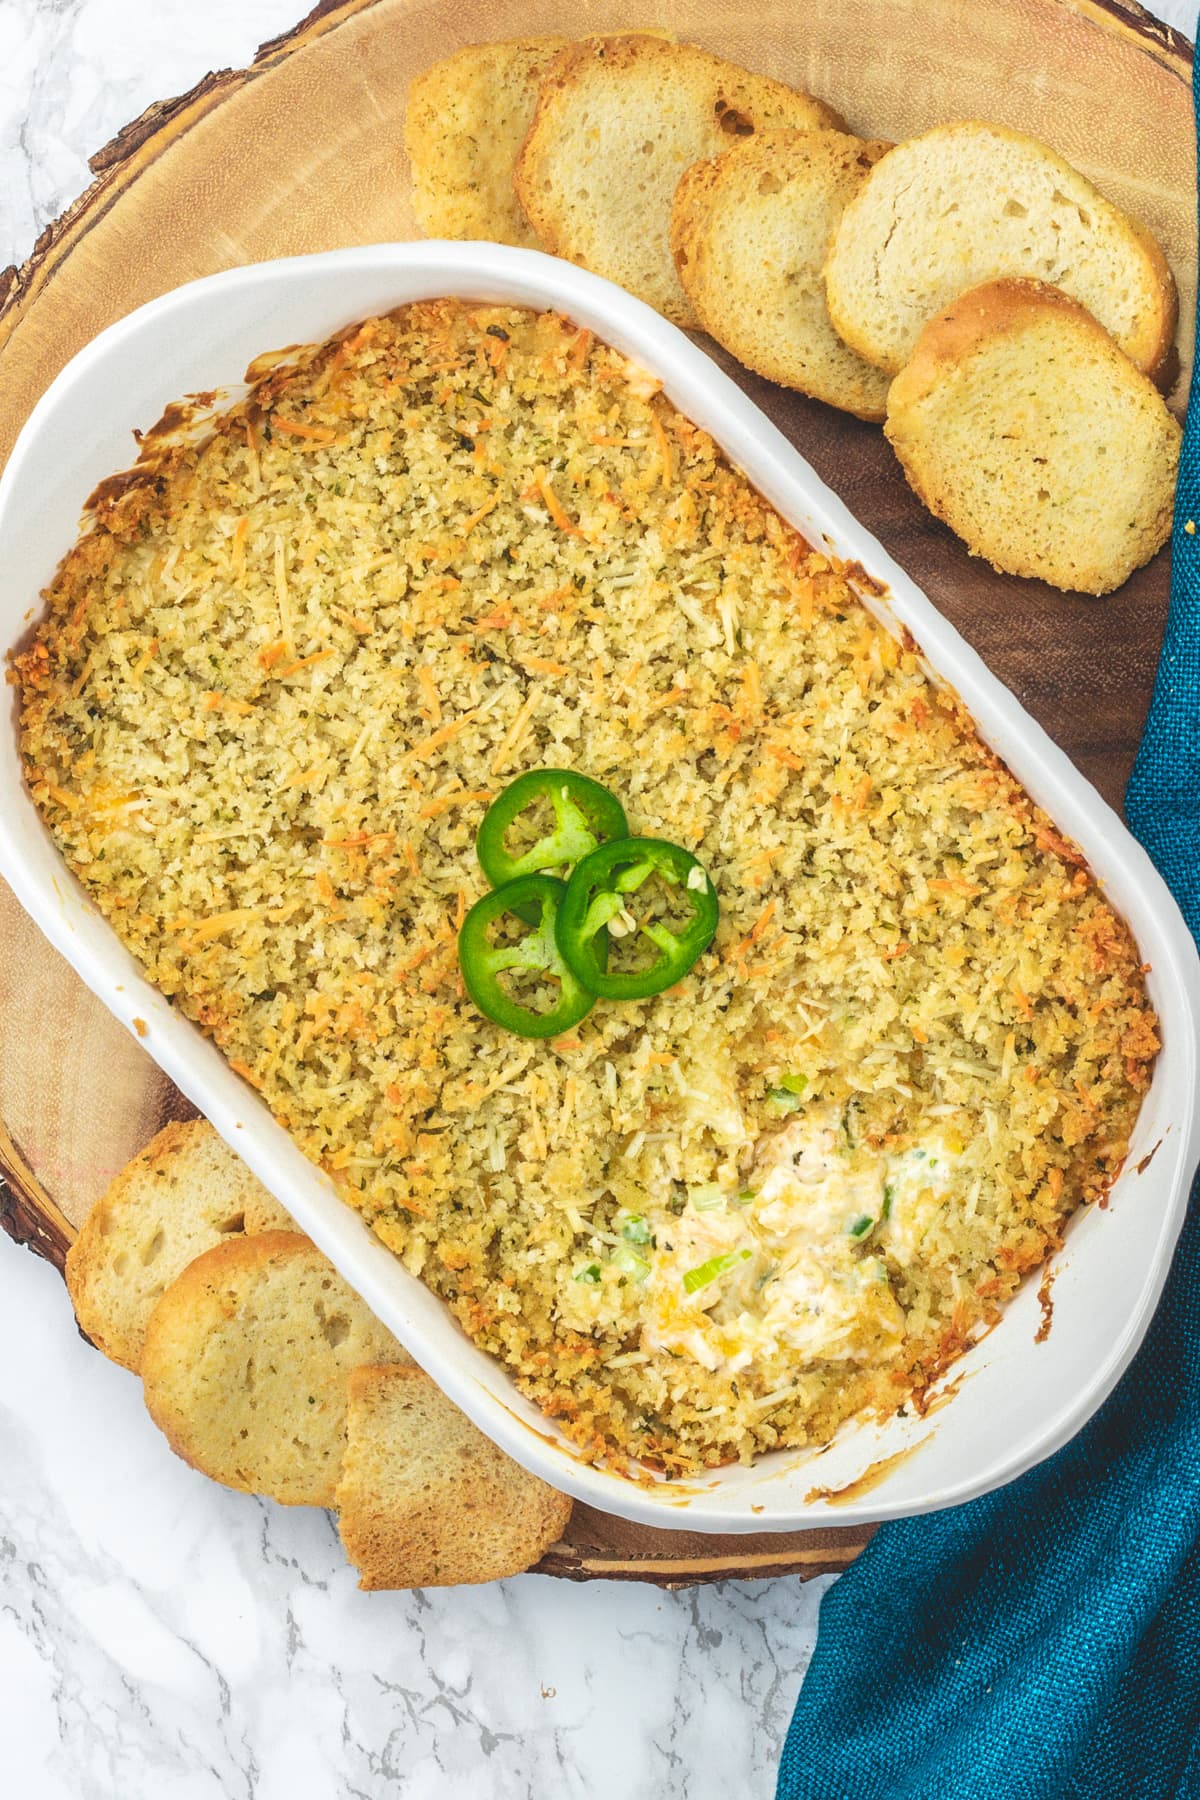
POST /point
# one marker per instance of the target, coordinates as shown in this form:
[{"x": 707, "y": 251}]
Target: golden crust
[
  {"x": 425, "y": 1499},
  {"x": 749, "y": 234},
  {"x": 87, "y": 1255},
  {"x": 245, "y": 1366},
  {"x": 465, "y": 122},
  {"x": 185, "y": 1192},
  {"x": 652, "y": 108},
  {"x": 1058, "y": 504},
  {"x": 925, "y": 225}
]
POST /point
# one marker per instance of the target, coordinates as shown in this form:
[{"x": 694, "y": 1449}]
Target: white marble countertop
[{"x": 161, "y": 1637}]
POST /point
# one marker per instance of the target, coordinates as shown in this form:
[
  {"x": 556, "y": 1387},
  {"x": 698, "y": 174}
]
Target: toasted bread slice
[
  {"x": 245, "y": 1365},
  {"x": 426, "y": 1500},
  {"x": 185, "y": 1192},
  {"x": 1021, "y": 424},
  {"x": 749, "y": 233},
  {"x": 968, "y": 203},
  {"x": 466, "y": 120},
  {"x": 618, "y": 121}
]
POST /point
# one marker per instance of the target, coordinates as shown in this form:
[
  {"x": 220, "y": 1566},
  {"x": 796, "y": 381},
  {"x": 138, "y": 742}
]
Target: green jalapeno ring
[
  {"x": 586, "y": 814},
  {"x": 599, "y": 891},
  {"x": 482, "y": 962}
]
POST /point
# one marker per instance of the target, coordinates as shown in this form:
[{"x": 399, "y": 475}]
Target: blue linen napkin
[{"x": 1044, "y": 1641}]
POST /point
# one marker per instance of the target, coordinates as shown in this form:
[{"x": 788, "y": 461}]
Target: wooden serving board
[{"x": 303, "y": 151}]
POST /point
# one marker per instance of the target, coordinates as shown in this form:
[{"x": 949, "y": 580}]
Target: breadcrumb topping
[{"x": 276, "y": 686}]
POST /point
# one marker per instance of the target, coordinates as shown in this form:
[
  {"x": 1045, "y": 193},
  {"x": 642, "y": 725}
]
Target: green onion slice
[
  {"x": 714, "y": 1267},
  {"x": 636, "y": 1230},
  {"x": 626, "y": 1258}
]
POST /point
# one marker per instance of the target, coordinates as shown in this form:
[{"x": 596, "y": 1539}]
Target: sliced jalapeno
[
  {"x": 629, "y": 894},
  {"x": 508, "y": 964},
  {"x": 585, "y": 814}
]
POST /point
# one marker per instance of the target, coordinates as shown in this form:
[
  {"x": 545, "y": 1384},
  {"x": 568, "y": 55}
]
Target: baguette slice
[
  {"x": 1020, "y": 423},
  {"x": 425, "y": 1500},
  {"x": 466, "y": 120},
  {"x": 185, "y": 1192},
  {"x": 245, "y": 1366},
  {"x": 968, "y": 203},
  {"x": 618, "y": 121},
  {"x": 750, "y": 230}
]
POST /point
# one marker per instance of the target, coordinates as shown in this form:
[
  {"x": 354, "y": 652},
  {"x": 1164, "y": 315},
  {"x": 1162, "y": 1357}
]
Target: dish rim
[{"x": 485, "y": 272}]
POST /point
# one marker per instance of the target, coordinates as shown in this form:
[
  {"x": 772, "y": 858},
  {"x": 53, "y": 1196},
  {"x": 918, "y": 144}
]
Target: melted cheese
[
  {"x": 809, "y": 1282},
  {"x": 921, "y": 1180}
]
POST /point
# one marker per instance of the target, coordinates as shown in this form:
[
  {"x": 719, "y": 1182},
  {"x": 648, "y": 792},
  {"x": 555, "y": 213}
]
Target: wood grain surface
[{"x": 303, "y": 151}]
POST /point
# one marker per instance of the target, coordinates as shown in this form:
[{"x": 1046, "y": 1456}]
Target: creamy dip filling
[{"x": 791, "y": 1261}]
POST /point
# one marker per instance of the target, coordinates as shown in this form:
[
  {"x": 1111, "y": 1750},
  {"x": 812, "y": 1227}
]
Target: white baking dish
[{"x": 1020, "y": 1400}]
